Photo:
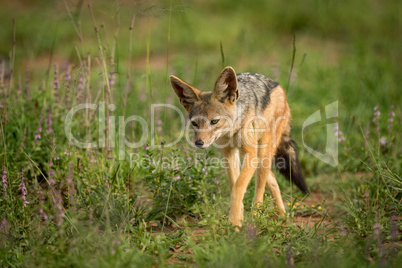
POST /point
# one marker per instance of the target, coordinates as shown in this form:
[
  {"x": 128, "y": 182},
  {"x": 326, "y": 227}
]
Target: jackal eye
[
  {"x": 214, "y": 121},
  {"x": 194, "y": 123}
]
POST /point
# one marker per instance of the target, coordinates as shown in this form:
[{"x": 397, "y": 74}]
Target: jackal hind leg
[
  {"x": 265, "y": 162},
  {"x": 265, "y": 175},
  {"x": 273, "y": 188}
]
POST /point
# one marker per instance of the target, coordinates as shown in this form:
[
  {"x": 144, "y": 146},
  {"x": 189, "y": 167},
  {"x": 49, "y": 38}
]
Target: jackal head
[{"x": 212, "y": 114}]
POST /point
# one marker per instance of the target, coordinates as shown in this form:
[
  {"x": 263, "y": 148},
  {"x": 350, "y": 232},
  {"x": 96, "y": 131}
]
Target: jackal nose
[{"x": 199, "y": 143}]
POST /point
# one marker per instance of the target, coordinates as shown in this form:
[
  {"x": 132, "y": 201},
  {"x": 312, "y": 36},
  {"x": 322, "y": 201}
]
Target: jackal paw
[{"x": 235, "y": 222}]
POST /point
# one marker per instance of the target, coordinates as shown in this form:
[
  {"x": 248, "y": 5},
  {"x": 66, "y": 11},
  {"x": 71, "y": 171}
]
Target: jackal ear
[
  {"x": 187, "y": 94},
  {"x": 226, "y": 86}
]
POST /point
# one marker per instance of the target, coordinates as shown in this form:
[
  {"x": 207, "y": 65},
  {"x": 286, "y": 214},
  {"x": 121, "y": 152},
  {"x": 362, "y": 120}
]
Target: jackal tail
[{"x": 290, "y": 165}]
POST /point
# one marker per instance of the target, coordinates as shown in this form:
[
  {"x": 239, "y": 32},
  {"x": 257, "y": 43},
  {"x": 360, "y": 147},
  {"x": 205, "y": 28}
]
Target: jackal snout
[
  {"x": 199, "y": 143},
  {"x": 204, "y": 133},
  {"x": 207, "y": 130}
]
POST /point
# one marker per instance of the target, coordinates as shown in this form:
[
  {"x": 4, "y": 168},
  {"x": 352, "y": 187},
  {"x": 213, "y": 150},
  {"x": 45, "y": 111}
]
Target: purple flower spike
[
  {"x": 376, "y": 118},
  {"x": 339, "y": 133},
  {"x": 56, "y": 84},
  {"x": 49, "y": 121},
  {"x": 3, "y": 225},
  {"x": 39, "y": 128},
  {"x": 67, "y": 76},
  {"x": 4, "y": 181},
  {"x": 391, "y": 118},
  {"x": 111, "y": 79},
  {"x": 23, "y": 189}
]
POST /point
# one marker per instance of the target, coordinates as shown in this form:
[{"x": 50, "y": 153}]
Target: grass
[{"x": 169, "y": 205}]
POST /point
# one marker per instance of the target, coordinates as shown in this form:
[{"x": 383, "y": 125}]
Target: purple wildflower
[
  {"x": 67, "y": 76},
  {"x": 158, "y": 123},
  {"x": 177, "y": 177},
  {"x": 216, "y": 180},
  {"x": 43, "y": 214},
  {"x": 111, "y": 79},
  {"x": 59, "y": 217},
  {"x": 41, "y": 198},
  {"x": 366, "y": 194},
  {"x": 23, "y": 189},
  {"x": 49, "y": 121},
  {"x": 52, "y": 173},
  {"x": 383, "y": 141},
  {"x": 338, "y": 133},
  {"x": 4, "y": 181},
  {"x": 80, "y": 89},
  {"x": 391, "y": 118},
  {"x": 376, "y": 118},
  {"x": 58, "y": 200},
  {"x": 110, "y": 154},
  {"x": 107, "y": 183},
  {"x": 3, "y": 225},
  {"x": 70, "y": 185},
  {"x": 39, "y": 128},
  {"x": 67, "y": 152},
  {"x": 56, "y": 84},
  {"x": 367, "y": 132},
  {"x": 93, "y": 159},
  {"x": 52, "y": 181}
]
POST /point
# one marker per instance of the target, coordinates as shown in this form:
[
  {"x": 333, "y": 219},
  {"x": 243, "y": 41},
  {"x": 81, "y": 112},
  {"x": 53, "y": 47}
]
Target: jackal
[{"x": 246, "y": 113}]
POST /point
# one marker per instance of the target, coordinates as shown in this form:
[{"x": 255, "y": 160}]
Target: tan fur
[{"x": 265, "y": 130}]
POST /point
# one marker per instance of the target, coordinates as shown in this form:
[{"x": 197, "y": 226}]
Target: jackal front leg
[
  {"x": 239, "y": 188},
  {"x": 233, "y": 164}
]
